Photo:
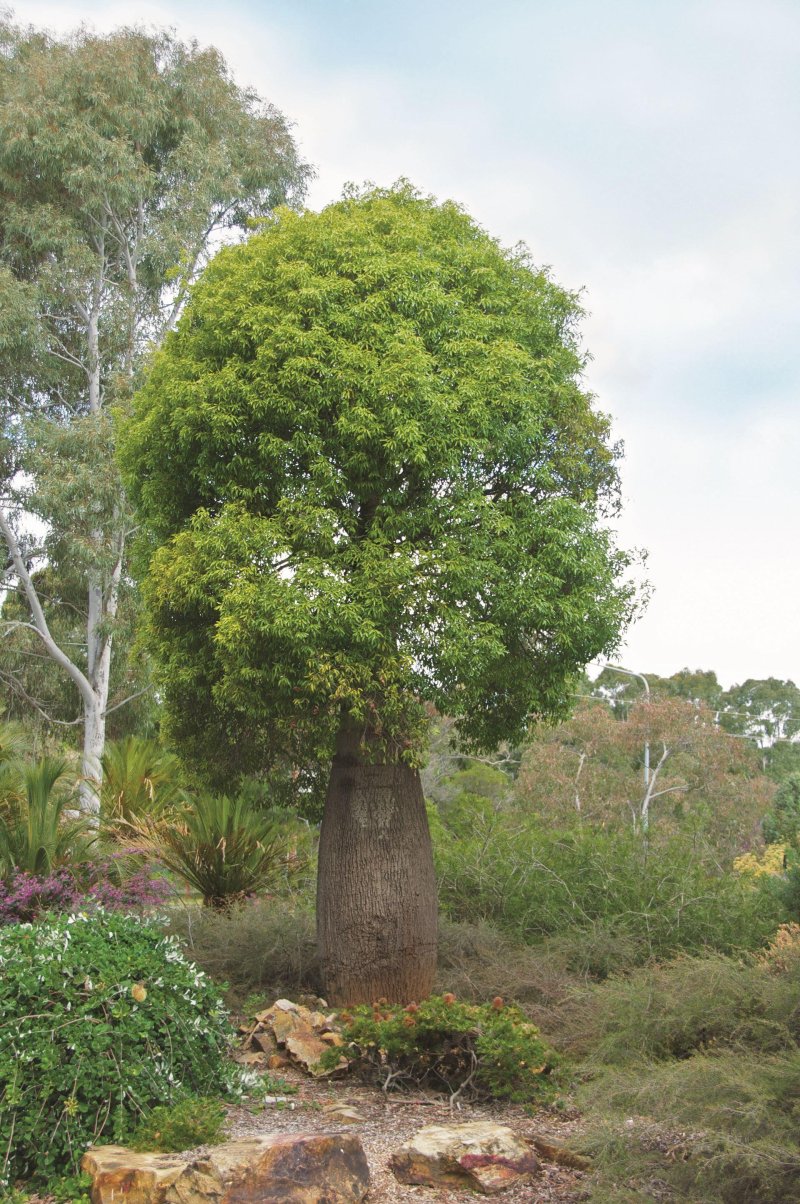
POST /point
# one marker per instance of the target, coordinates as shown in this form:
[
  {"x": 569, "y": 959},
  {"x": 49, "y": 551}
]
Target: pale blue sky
[{"x": 647, "y": 151}]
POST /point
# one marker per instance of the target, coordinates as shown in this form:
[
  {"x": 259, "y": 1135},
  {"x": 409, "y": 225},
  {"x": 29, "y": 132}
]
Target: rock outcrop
[{"x": 318, "y": 1168}]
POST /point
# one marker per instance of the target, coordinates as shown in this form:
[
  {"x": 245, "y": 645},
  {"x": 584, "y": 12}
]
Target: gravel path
[{"x": 385, "y": 1122}]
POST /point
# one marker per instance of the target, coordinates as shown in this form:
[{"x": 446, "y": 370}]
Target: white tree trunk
[
  {"x": 93, "y": 685},
  {"x": 94, "y": 739}
]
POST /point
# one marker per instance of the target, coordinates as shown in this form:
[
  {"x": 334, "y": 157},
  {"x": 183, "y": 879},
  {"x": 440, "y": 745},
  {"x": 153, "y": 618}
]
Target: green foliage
[
  {"x": 480, "y": 1050},
  {"x": 139, "y": 778},
  {"x": 673, "y": 1009},
  {"x": 715, "y": 1128},
  {"x": 122, "y": 159},
  {"x": 606, "y": 892},
  {"x": 220, "y": 847},
  {"x": 767, "y": 709},
  {"x": 368, "y": 478},
  {"x": 783, "y": 759},
  {"x": 130, "y": 185},
  {"x": 71, "y": 1189},
  {"x": 692, "y": 685},
  {"x": 782, "y": 823},
  {"x": 36, "y": 836},
  {"x": 102, "y": 1020},
  {"x": 189, "y": 1122},
  {"x": 691, "y": 1072}
]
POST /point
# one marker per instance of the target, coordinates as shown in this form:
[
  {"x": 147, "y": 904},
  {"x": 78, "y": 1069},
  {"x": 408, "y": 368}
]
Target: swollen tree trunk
[{"x": 376, "y": 889}]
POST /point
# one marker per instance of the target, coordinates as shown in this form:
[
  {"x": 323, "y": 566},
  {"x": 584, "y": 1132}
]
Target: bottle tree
[{"x": 371, "y": 483}]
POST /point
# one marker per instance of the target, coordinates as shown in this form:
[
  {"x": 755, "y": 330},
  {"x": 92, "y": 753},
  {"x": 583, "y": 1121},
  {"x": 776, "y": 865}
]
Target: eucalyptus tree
[
  {"x": 371, "y": 482},
  {"x": 123, "y": 160}
]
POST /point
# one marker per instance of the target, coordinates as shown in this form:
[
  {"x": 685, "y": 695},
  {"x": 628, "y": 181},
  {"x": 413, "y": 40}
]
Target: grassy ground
[{"x": 687, "y": 1071}]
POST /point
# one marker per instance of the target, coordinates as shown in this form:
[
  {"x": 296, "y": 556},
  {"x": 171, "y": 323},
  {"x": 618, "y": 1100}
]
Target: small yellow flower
[{"x": 139, "y": 992}]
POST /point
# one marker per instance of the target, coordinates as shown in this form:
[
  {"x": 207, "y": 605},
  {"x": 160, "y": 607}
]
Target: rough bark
[{"x": 376, "y": 889}]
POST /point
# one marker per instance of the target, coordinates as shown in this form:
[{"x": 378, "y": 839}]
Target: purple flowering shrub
[{"x": 24, "y": 897}]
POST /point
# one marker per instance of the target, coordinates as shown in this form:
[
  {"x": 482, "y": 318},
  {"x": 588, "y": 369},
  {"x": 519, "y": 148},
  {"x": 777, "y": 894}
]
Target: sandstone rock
[
  {"x": 480, "y": 1155},
  {"x": 343, "y": 1113},
  {"x": 278, "y": 1061},
  {"x": 319, "y": 1168},
  {"x": 304, "y": 1033},
  {"x": 285, "y": 1005},
  {"x": 264, "y": 1041},
  {"x": 282, "y": 1024},
  {"x": 307, "y": 1049},
  {"x": 246, "y": 1058}
]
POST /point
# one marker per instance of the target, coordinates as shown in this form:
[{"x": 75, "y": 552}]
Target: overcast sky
[{"x": 648, "y": 152}]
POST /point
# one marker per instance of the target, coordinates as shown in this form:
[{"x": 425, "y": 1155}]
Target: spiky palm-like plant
[
  {"x": 36, "y": 833},
  {"x": 139, "y": 778},
  {"x": 219, "y": 846}
]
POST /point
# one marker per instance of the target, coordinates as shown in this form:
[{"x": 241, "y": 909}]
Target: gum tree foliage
[
  {"x": 122, "y": 159},
  {"x": 589, "y": 772},
  {"x": 764, "y": 711},
  {"x": 370, "y": 482}
]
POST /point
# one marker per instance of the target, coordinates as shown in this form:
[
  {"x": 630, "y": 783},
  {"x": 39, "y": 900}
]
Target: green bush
[
  {"x": 36, "y": 835},
  {"x": 478, "y": 1050},
  {"x": 190, "y": 1122},
  {"x": 691, "y": 1078},
  {"x": 714, "y": 1128},
  {"x": 220, "y": 847},
  {"x": 102, "y": 1019},
  {"x": 611, "y": 893},
  {"x": 782, "y": 823},
  {"x": 673, "y": 1009}
]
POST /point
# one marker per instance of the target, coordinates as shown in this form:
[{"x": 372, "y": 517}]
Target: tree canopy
[{"x": 370, "y": 477}]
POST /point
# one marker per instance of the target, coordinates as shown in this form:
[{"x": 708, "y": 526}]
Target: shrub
[
  {"x": 477, "y": 961},
  {"x": 139, "y": 778},
  {"x": 652, "y": 901},
  {"x": 220, "y": 847},
  {"x": 694, "y": 1078},
  {"x": 190, "y": 1122},
  {"x": 726, "y": 1129},
  {"x": 36, "y": 835},
  {"x": 672, "y": 1009},
  {"x": 25, "y": 897},
  {"x": 782, "y": 823},
  {"x": 102, "y": 1020},
  {"x": 487, "y": 1050},
  {"x": 265, "y": 945}
]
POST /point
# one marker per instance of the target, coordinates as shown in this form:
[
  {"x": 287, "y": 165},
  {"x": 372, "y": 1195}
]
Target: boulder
[
  {"x": 278, "y": 1061},
  {"x": 318, "y": 1168},
  {"x": 480, "y": 1155}
]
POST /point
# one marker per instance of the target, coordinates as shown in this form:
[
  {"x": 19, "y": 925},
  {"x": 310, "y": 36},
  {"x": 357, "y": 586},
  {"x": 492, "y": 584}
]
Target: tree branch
[
  {"x": 130, "y": 698},
  {"x": 650, "y": 793},
  {"x": 39, "y": 624},
  {"x": 17, "y": 688}
]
